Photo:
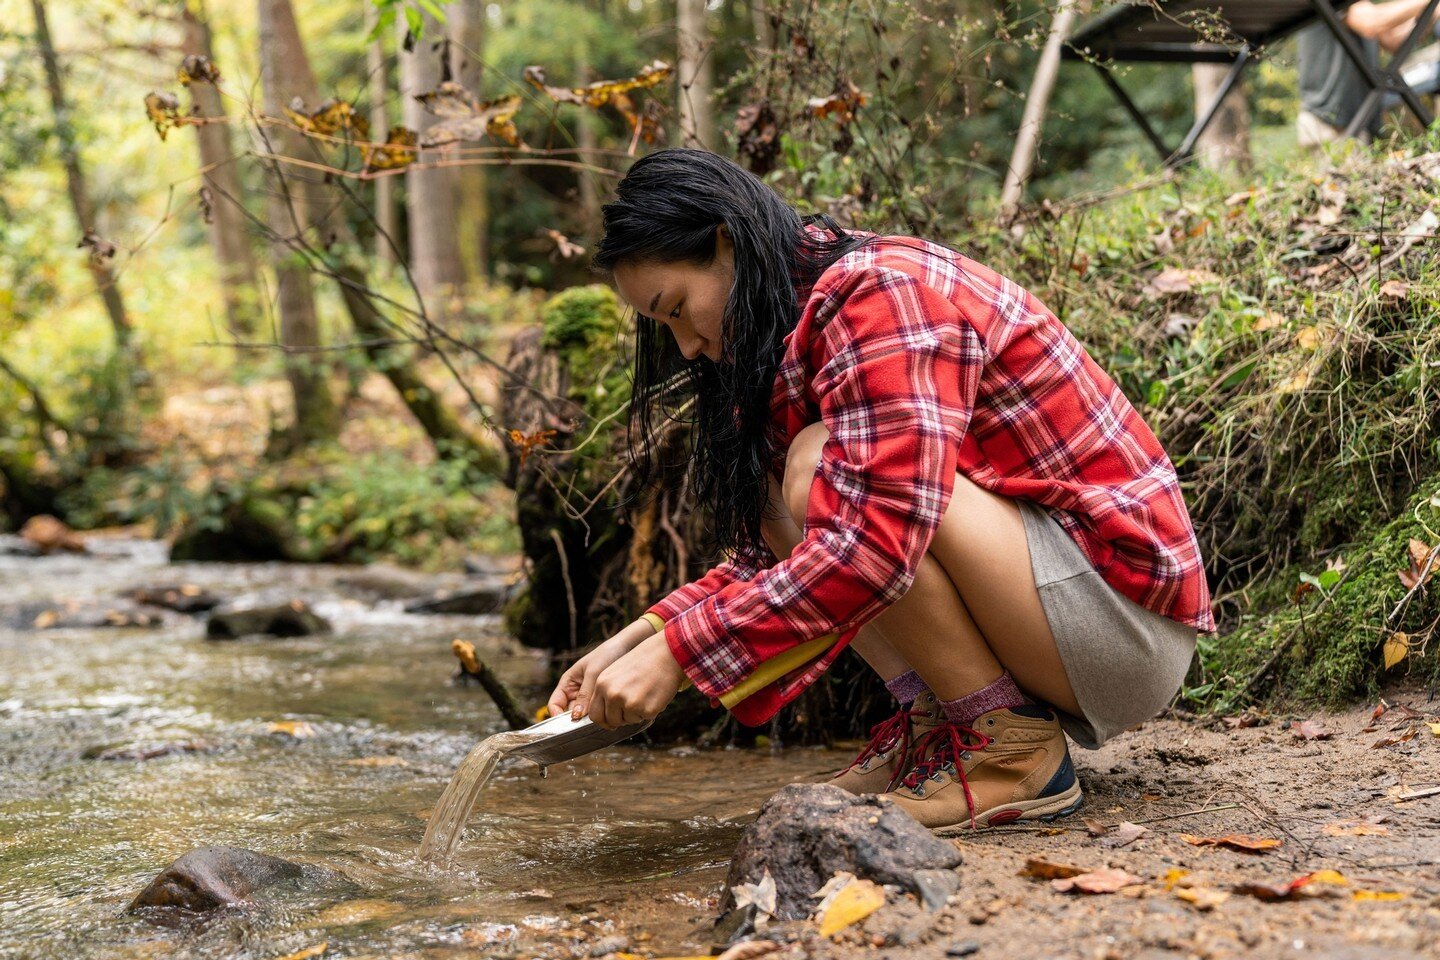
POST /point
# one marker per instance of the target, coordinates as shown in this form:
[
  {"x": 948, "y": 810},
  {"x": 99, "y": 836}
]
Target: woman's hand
[
  {"x": 637, "y": 686},
  {"x": 574, "y": 689}
]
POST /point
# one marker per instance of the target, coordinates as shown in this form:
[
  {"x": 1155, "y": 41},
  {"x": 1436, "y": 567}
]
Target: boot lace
[
  {"x": 942, "y": 747},
  {"x": 887, "y": 734}
]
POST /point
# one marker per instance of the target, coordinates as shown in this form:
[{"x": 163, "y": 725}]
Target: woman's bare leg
[{"x": 973, "y": 610}]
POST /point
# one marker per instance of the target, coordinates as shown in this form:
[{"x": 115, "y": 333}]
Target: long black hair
[{"x": 667, "y": 209}]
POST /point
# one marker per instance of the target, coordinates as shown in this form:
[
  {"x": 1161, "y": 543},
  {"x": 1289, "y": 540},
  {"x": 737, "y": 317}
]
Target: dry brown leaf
[
  {"x": 1202, "y": 898},
  {"x": 1125, "y": 833},
  {"x": 386, "y": 761},
  {"x": 1104, "y": 880},
  {"x": 1177, "y": 280},
  {"x": 1235, "y": 841},
  {"x": 1270, "y": 321},
  {"x": 1405, "y": 737},
  {"x": 1045, "y": 870},
  {"x": 841, "y": 104},
  {"x": 396, "y": 153},
  {"x": 1302, "y": 886},
  {"x": 464, "y": 651},
  {"x": 1370, "y": 826},
  {"x": 749, "y": 950},
  {"x": 1394, "y": 290},
  {"x": 1311, "y": 730},
  {"x": 1307, "y": 338},
  {"x": 197, "y": 68}
]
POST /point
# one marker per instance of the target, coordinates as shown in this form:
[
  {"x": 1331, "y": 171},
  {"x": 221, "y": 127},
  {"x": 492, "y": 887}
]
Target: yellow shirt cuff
[
  {"x": 776, "y": 667},
  {"x": 654, "y": 620}
]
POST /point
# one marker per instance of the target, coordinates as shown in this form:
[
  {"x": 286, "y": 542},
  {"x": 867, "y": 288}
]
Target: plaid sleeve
[
  {"x": 896, "y": 388},
  {"x": 728, "y": 571}
]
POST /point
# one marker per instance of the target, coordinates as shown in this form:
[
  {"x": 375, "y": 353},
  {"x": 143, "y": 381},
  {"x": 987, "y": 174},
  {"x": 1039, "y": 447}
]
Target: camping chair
[{"x": 1237, "y": 32}]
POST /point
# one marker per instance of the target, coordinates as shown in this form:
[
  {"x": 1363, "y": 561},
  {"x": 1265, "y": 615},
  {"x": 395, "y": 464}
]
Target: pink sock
[
  {"x": 1000, "y": 693},
  {"x": 906, "y": 687}
]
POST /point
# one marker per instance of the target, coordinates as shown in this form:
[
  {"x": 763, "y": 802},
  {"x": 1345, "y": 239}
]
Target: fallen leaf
[
  {"x": 1377, "y": 895},
  {"x": 1396, "y": 647},
  {"x": 1045, "y": 870},
  {"x": 1096, "y": 828},
  {"x": 1235, "y": 841},
  {"x": 1125, "y": 834},
  {"x": 357, "y": 912},
  {"x": 1302, "y": 886},
  {"x": 1307, "y": 338},
  {"x": 1394, "y": 290},
  {"x": 1434, "y": 728},
  {"x": 309, "y": 952},
  {"x": 376, "y": 762},
  {"x": 1270, "y": 321},
  {"x": 854, "y": 902},
  {"x": 1244, "y": 720},
  {"x": 298, "y": 729},
  {"x": 763, "y": 894},
  {"x": 1177, "y": 280},
  {"x": 1420, "y": 566},
  {"x": 1357, "y": 828},
  {"x": 749, "y": 950},
  {"x": 1104, "y": 880},
  {"x": 1405, "y": 737},
  {"x": 1332, "y": 204},
  {"x": 1203, "y": 898},
  {"x": 1311, "y": 730},
  {"x": 45, "y": 619},
  {"x": 1175, "y": 877}
]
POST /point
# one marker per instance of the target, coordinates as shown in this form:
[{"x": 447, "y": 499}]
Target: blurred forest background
[{"x": 309, "y": 282}]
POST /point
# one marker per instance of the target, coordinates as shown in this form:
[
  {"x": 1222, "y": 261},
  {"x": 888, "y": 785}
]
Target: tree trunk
[
  {"x": 431, "y": 196},
  {"x": 295, "y": 195},
  {"x": 1226, "y": 142},
  {"x": 75, "y": 179},
  {"x": 696, "y": 73},
  {"x": 221, "y": 177},
  {"x": 466, "y": 23},
  {"x": 387, "y": 222},
  {"x": 1027, "y": 139},
  {"x": 760, "y": 21}
]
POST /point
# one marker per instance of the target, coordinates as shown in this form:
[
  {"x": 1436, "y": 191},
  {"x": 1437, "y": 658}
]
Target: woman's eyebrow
[{"x": 654, "y": 303}]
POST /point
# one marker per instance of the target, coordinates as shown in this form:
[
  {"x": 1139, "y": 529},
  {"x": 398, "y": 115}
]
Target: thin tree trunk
[
  {"x": 466, "y": 23},
  {"x": 431, "y": 196},
  {"x": 585, "y": 122},
  {"x": 696, "y": 73},
  {"x": 760, "y": 21},
  {"x": 1226, "y": 142},
  {"x": 75, "y": 179},
  {"x": 1027, "y": 139},
  {"x": 387, "y": 221},
  {"x": 292, "y": 205},
  {"x": 221, "y": 177}
]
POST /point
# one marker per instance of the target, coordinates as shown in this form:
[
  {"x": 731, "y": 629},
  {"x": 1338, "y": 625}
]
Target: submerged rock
[
  {"x": 808, "y": 831},
  {"x": 75, "y": 615},
  {"x": 210, "y": 878},
  {"x": 293, "y": 619},
  {"x": 50, "y": 535},
  {"x": 472, "y": 600},
  {"x": 180, "y": 597}
]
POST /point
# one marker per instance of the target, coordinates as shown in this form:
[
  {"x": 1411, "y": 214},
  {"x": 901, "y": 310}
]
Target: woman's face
[{"x": 686, "y": 298}]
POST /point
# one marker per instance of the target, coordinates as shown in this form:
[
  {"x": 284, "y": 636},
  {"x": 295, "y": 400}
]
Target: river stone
[
  {"x": 472, "y": 600},
  {"x": 209, "y": 878},
  {"x": 807, "y": 832},
  {"x": 180, "y": 597},
  {"x": 293, "y": 619}
]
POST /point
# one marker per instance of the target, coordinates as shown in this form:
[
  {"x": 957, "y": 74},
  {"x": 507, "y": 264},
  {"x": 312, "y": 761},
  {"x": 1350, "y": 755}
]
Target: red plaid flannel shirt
[{"x": 921, "y": 363}]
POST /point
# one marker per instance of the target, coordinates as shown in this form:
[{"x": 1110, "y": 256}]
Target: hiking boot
[
  {"x": 888, "y": 755},
  {"x": 1012, "y": 765}
]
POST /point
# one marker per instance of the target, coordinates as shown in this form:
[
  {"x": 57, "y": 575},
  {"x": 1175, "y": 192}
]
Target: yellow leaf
[
  {"x": 298, "y": 729},
  {"x": 1377, "y": 895},
  {"x": 1434, "y": 728},
  {"x": 1296, "y": 382},
  {"x": 1173, "y": 876},
  {"x": 309, "y": 952},
  {"x": 382, "y": 761},
  {"x": 1270, "y": 321},
  {"x": 542, "y": 714},
  {"x": 856, "y": 901},
  {"x": 1396, "y": 648},
  {"x": 1328, "y": 876},
  {"x": 356, "y": 912},
  {"x": 1307, "y": 338}
]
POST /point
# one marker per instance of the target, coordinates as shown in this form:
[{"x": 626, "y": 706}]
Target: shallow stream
[{"x": 629, "y": 841}]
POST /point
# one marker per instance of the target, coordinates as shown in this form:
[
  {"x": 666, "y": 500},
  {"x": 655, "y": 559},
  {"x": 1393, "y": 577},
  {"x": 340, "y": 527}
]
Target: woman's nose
[{"x": 692, "y": 350}]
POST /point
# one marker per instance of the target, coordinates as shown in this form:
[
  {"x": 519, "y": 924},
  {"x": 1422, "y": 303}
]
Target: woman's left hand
[{"x": 637, "y": 686}]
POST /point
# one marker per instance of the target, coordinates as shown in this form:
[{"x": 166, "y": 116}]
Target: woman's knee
[{"x": 801, "y": 462}]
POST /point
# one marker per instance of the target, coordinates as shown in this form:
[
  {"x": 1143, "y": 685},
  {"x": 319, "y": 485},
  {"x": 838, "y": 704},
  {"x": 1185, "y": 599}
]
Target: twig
[
  {"x": 473, "y": 668},
  {"x": 1188, "y": 813},
  {"x": 565, "y": 573}
]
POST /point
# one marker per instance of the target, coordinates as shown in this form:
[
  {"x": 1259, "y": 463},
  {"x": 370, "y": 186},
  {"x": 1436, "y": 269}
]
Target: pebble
[{"x": 963, "y": 949}]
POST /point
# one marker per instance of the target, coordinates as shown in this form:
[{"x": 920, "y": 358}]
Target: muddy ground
[{"x": 1267, "y": 781}]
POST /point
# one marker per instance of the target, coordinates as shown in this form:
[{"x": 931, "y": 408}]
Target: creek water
[{"x": 628, "y": 839}]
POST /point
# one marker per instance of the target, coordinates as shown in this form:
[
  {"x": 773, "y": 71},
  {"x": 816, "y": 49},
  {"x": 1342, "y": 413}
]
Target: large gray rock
[
  {"x": 293, "y": 619},
  {"x": 808, "y": 831},
  {"x": 210, "y": 878}
]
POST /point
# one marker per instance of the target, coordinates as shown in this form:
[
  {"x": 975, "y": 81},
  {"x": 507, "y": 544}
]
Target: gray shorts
[{"x": 1124, "y": 662}]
